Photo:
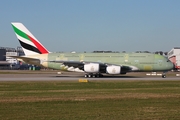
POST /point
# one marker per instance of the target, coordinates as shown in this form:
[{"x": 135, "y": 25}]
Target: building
[
  {"x": 9, "y": 62},
  {"x": 2, "y": 55},
  {"x": 174, "y": 57}
]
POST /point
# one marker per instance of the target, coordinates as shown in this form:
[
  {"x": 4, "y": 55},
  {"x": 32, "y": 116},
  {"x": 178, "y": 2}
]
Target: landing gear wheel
[
  {"x": 97, "y": 75},
  {"x": 89, "y": 75},
  {"x": 163, "y": 76},
  {"x": 85, "y": 75},
  {"x": 94, "y": 75}
]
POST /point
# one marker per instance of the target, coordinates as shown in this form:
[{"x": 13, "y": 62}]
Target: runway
[{"x": 76, "y": 77}]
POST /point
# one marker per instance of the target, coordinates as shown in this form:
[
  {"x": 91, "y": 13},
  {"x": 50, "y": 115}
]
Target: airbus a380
[{"x": 92, "y": 64}]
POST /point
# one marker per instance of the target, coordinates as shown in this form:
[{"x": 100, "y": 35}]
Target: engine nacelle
[
  {"x": 113, "y": 69},
  {"x": 91, "y": 68}
]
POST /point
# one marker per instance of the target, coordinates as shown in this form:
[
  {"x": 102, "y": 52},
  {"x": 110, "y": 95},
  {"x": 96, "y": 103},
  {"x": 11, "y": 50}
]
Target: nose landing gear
[{"x": 164, "y": 75}]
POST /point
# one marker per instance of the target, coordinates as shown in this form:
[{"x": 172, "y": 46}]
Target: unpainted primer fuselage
[{"x": 142, "y": 61}]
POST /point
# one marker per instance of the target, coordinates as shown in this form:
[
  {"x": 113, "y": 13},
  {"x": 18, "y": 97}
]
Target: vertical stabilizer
[{"x": 29, "y": 43}]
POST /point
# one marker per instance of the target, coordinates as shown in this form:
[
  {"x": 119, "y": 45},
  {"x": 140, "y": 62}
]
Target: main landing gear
[{"x": 94, "y": 75}]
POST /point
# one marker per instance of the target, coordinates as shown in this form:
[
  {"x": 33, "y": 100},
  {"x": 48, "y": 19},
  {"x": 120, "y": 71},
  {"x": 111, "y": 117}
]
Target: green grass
[{"x": 96, "y": 100}]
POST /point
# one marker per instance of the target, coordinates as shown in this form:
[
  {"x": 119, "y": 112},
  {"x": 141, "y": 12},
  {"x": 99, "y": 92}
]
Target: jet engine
[
  {"x": 91, "y": 68},
  {"x": 113, "y": 69}
]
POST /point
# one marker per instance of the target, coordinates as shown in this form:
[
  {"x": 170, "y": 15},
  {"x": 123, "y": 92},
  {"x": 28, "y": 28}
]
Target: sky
[{"x": 89, "y": 25}]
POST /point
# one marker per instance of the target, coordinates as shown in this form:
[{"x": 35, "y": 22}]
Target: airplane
[{"x": 92, "y": 64}]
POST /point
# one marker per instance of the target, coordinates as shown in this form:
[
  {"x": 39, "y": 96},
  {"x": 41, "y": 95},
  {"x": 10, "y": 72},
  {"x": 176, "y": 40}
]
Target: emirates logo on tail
[{"x": 28, "y": 42}]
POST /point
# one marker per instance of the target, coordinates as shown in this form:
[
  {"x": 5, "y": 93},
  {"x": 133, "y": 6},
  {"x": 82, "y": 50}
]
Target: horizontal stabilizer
[{"x": 29, "y": 60}]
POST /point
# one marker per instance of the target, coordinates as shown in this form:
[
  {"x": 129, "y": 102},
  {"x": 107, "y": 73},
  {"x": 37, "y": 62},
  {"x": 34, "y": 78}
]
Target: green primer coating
[{"x": 143, "y": 61}]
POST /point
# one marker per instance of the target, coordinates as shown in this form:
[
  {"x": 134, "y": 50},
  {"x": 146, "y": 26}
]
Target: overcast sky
[{"x": 88, "y": 25}]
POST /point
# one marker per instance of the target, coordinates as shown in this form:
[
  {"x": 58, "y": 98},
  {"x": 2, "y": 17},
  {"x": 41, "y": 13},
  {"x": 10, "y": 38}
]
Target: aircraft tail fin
[{"x": 29, "y": 43}]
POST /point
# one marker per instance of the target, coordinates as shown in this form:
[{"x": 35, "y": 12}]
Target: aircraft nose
[{"x": 172, "y": 66}]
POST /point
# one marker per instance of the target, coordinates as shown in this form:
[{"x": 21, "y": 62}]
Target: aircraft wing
[{"x": 102, "y": 66}]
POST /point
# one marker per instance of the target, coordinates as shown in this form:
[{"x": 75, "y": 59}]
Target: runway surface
[{"x": 75, "y": 77}]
